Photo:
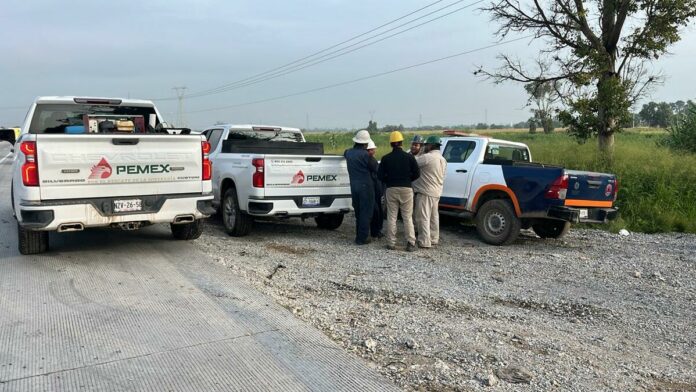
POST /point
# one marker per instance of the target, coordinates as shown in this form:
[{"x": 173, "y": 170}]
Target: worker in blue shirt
[{"x": 360, "y": 171}]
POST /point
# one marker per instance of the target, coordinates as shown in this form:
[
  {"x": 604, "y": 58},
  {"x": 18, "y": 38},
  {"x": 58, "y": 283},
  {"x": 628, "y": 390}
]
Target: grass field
[{"x": 657, "y": 186}]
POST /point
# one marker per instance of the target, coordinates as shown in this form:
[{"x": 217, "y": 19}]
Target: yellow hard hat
[{"x": 396, "y": 137}]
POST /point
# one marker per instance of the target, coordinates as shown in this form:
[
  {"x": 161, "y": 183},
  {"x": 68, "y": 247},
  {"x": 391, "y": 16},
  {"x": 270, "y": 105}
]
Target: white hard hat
[
  {"x": 371, "y": 145},
  {"x": 362, "y": 137}
]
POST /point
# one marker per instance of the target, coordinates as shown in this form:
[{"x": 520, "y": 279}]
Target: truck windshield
[
  {"x": 506, "y": 152},
  {"x": 86, "y": 118}
]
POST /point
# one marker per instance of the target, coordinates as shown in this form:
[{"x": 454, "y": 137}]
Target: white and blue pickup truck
[
  {"x": 105, "y": 162},
  {"x": 496, "y": 183},
  {"x": 271, "y": 172}
]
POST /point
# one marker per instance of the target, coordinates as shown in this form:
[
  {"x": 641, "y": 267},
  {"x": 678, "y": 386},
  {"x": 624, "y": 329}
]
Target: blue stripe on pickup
[
  {"x": 529, "y": 185},
  {"x": 453, "y": 201}
]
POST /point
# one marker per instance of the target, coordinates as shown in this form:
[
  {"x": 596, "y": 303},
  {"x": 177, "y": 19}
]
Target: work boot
[
  {"x": 411, "y": 247},
  {"x": 391, "y": 247}
]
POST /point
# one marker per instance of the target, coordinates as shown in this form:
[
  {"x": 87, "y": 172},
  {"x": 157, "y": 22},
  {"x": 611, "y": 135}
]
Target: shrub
[{"x": 682, "y": 133}]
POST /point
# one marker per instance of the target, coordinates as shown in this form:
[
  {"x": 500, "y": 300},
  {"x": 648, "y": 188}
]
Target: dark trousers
[
  {"x": 377, "y": 222},
  {"x": 363, "y": 196}
]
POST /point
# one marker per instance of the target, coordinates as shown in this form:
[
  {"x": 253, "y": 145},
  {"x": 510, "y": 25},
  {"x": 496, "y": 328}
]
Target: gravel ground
[{"x": 592, "y": 312}]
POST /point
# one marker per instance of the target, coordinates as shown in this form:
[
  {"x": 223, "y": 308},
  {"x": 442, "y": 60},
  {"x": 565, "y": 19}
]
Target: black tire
[
  {"x": 329, "y": 221},
  {"x": 236, "y": 222},
  {"x": 186, "y": 231},
  {"x": 550, "y": 228},
  {"x": 497, "y": 223},
  {"x": 31, "y": 242}
]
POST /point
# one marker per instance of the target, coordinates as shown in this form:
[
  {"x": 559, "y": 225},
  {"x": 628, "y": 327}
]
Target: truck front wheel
[
  {"x": 550, "y": 228},
  {"x": 186, "y": 231},
  {"x": 497, "y": 223},
  {"x": 237, "y": 223},
  {"x": 329, "y": 221},
  {"x": 31, "y": 242}
]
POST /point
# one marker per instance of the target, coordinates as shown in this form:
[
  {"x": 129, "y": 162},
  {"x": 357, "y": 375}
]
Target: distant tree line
[{"x": 663, "y": 114}]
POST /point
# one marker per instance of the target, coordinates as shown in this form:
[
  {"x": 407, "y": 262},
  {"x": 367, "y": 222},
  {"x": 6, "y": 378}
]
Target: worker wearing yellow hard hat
[{"x": 397, "y": 171}]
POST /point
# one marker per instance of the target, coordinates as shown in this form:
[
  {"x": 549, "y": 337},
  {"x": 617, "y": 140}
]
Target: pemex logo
[
  {"x": 101, "y": 170},
  {"x": 298, "y": 178}
]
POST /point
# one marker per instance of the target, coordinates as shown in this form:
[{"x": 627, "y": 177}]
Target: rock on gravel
[{"x": 590, "y": 312}]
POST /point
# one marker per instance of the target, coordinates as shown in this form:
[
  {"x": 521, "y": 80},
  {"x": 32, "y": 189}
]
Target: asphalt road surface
[{"x": 112, "y": 310}]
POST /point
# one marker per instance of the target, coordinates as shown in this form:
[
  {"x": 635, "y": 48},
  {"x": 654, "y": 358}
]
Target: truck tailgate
[
  {"x": 288, "y": 175},
  {"x": 106, "y": 165},
  {"x": 588, "y": 189}
]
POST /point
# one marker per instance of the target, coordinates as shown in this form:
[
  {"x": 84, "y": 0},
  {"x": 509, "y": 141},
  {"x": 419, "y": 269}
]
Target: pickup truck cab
[
  {"x": 271, "y": 172},
  {"x": 496, "y": 183},
  {"x": 95, "y": 162}
]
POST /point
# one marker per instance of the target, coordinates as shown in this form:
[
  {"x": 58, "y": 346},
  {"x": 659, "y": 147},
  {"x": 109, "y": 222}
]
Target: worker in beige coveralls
[{"x": 428, "y": 189}]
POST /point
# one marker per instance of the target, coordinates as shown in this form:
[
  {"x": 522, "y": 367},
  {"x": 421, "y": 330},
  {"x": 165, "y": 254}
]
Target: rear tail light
[
  {"x": 616, "y": 189},
  {"x": 257, "y": 178},
  {"x": 558, "y": 189},
  {"x": 207, "y": 165},
  {"x": 30, "y": 168}
]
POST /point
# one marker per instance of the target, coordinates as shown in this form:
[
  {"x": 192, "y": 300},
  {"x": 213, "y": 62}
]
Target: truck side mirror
[{"x": 8, "y": 135}]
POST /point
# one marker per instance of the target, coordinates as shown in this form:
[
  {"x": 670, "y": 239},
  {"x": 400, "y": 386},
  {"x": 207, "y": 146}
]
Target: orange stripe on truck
[
  {"x": 505, "y": 189},
  {"x": 587, "y": 203}
]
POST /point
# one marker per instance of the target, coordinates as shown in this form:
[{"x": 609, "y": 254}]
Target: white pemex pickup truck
[
  {"x": 271, "y": 172},
  {"x": 94, "y": 162}
]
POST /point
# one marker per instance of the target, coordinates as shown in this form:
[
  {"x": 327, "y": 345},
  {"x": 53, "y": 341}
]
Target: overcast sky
[{"x": 144, "y": 48}]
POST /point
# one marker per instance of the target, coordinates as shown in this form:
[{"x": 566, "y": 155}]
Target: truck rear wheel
[
  {"x": 186, "y": 231},
  {"x": 237, "y": 223},
  {"x": 551, "y": 228},
  {"x": 497, "y": 223},
  {"x": 329, "y": 221},
  {"x": 31, "y": 242}
]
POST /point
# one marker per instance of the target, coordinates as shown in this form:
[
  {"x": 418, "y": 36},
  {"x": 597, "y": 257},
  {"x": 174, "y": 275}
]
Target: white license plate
[
  {"x": 583, "y": 213},
  {"x": 128, "y": 205},
  {"x": 311, "y": 201}
]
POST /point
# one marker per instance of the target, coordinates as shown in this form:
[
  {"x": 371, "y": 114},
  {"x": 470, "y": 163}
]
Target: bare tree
[{"x": 595, "y": 54}]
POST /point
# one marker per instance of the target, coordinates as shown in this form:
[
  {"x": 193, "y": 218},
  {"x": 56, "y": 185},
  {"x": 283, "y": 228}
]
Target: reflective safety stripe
[{"x": 588, "y": 203}]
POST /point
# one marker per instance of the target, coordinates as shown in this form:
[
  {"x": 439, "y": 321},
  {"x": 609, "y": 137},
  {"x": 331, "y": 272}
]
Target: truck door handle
[
  {"x": 462, "y": 171},
  {"x": 125, "y": 142}
]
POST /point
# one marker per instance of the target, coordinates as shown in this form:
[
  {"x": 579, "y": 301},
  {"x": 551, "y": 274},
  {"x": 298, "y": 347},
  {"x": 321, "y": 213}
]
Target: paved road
[{"x": 110, "y": 310}]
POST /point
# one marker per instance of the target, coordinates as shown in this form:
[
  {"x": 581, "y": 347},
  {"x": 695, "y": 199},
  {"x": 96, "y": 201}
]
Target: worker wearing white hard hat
[
  {"x": 361, "y": 168},
  {"x": 362, "y": 137}
]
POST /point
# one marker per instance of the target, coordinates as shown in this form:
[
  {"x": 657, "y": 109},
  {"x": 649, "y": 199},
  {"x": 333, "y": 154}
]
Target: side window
[
  {"x": 458, "y": 151},
  {"x": 214, "y": 138}
]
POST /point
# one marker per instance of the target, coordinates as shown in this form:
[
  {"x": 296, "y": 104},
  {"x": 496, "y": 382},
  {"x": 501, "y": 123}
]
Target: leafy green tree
[
  {"x": 543, "y": 95},
  {"x": 657, "y": 114},
  {"x": 682, "y": 134},
  {"x": 595, "y": 50},
  {"x": 372, "y": 127}
]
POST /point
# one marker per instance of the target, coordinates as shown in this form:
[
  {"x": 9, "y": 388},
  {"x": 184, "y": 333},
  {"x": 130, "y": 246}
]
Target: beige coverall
[{"x": 428, "y": 189}]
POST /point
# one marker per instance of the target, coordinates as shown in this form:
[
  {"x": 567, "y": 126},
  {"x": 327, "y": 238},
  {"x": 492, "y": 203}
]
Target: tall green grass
[{"x": 657, "y": 186}]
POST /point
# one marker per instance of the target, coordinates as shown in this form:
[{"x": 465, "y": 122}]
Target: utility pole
[
  {"x": 372, "y": 115},
  {"x": 307, "y": 128},
  {"x": 180, "y": 92},
  {"x": 420, "y": 121},
  {"x": 486, "y": 116}
]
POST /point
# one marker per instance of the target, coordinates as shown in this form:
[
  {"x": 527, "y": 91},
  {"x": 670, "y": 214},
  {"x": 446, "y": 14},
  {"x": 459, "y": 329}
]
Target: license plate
[
  {"x": 310, "y": 201},
  {"x": 128, "y": 205},
  {"x": 583, "y": 213}
]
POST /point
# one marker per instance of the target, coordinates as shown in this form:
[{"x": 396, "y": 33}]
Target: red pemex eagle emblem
[
  {"x": 101, "y": 170},
  {"x": 298, "y": 178}
]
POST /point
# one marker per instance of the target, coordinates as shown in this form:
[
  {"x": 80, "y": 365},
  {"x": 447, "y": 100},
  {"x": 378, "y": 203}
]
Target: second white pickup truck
[
  {"x": 271, "y": 172},
  {"x": 95, "y": 162}
]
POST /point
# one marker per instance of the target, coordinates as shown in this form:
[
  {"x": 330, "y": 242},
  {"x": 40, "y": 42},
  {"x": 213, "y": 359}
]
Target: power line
[
  {"x": 364, "y": 77},
  {"x": 323, "y": 58},
  {"x": 294, "y": 63}
]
